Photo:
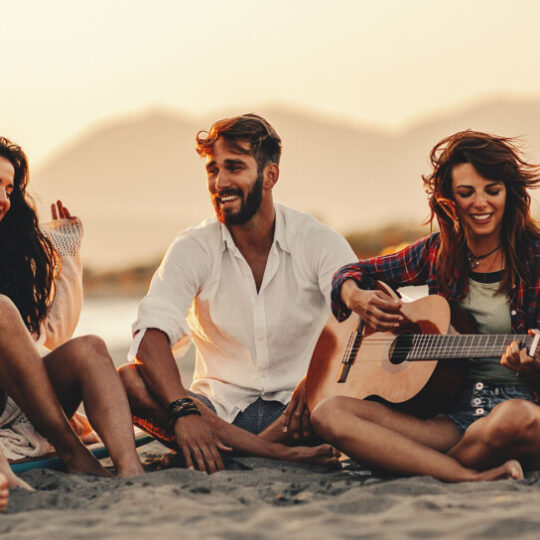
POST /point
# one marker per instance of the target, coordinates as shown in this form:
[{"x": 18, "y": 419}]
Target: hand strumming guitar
[{"x": 378, "y": 310}]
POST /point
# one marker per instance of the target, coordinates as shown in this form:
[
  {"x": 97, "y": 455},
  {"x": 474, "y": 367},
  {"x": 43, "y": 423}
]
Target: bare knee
[
  {"x": 9, "y": 314},
  {"x": 90, "y": 352},
  {"x": 514, "y": 421},
  {"x": 137, "y": 392},
  {"x": 325, "y": 416}
]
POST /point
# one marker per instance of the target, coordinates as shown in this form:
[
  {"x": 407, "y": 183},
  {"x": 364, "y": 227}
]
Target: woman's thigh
[
  {"x": 439, "y": 433},
  {"x": 511, "y": 430}
]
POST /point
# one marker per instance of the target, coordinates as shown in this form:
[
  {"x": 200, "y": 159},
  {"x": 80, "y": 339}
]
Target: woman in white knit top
[{"x": 40, "y": 300}]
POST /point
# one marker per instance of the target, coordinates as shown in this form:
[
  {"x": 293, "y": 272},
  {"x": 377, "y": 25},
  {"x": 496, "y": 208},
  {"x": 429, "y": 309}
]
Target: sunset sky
[{"x": 67, "y": 64}]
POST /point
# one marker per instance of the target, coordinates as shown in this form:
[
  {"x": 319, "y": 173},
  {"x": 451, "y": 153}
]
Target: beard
[{"x": 249, "y": 207}]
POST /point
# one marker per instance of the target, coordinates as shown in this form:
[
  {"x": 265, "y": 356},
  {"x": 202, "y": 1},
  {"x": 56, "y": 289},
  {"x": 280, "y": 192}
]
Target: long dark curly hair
[
  {"x": 498, "y": 159},
  {"x": 28, "y": 258}
]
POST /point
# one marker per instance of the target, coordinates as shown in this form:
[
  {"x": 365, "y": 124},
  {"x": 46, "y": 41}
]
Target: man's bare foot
[
  {"x": 323, "y": 454},
  {"x": 511, "y": 470}
]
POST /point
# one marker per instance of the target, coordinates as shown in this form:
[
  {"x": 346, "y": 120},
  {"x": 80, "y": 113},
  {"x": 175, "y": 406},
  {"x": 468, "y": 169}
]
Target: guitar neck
[{"x": 441, "y": 347}]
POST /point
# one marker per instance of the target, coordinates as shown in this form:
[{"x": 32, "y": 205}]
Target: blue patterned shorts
[
  {"x": 256, "y": 417},
  {"x": 479, "y": 399}
]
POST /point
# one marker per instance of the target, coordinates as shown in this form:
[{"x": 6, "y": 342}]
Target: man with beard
[{"x": 251, "y": 288}]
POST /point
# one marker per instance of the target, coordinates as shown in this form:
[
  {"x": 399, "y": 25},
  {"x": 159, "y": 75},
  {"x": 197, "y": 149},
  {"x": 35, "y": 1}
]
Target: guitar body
[{"x": 421, "y": 388}]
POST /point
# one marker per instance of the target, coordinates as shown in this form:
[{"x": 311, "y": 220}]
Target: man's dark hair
[{"x": 265, "y": 144}]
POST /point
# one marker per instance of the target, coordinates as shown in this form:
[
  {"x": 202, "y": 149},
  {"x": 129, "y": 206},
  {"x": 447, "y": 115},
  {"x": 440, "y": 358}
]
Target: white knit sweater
[{"x": 18, "y": 437}]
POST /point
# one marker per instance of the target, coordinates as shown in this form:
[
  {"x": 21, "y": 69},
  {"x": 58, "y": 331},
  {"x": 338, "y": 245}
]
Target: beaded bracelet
[{"x": 181, "y": 407}]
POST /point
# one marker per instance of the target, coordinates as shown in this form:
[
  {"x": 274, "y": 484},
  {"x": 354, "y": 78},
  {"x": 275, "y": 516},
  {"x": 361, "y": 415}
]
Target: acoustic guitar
[{"x": 419, "y": 368}]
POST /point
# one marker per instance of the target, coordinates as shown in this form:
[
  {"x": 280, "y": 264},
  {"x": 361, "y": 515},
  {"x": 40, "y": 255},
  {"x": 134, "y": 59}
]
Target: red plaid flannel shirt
[{"x": 415, "y": 265}]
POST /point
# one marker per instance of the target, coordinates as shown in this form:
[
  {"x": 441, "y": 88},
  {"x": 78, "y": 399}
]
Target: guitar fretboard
[{"x": 440, "y": 347}]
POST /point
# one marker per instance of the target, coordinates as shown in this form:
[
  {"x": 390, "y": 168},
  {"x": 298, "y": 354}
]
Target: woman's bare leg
[
  {"x": 375, "y": 434},
  {"x": 23, "y": 376},
  {"x": 145, "y": 406},
  {"x": 83, "y": 369},
  {"x": 510, "y": 431}
]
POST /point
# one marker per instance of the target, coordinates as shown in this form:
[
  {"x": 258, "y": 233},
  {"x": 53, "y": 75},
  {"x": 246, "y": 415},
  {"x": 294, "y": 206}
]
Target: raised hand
[{"x": 59, "y": 211}]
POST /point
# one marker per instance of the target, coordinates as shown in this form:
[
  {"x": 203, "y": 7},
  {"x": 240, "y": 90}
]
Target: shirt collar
[{"x": 280, "y": 237}]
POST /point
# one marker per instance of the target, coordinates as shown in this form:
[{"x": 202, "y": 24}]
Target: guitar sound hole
[{"x": 401, "y": 346}]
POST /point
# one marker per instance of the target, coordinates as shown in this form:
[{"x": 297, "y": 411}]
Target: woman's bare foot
[
  {"x": 323, "y": 454},
  {"x": 511, "y": 470},
  {"x": 4, "y": 492},
  {"x": 7, "y": 480},
  {"x": 12, "y": 480},
  {"x": 82, "y": 461}
]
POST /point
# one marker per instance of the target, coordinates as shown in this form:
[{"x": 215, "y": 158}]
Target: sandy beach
[{"x": 256, "y": 498}]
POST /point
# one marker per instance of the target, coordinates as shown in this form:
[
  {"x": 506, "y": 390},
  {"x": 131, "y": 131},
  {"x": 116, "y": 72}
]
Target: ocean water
[{"x": 109, "y": 318}]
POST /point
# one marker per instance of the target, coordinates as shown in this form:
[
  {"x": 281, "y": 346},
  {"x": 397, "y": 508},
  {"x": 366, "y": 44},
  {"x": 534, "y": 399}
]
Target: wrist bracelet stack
[{"x": 181, "y": 407}]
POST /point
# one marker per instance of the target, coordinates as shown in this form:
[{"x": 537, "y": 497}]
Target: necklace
[{"x": 474, "y": 260}]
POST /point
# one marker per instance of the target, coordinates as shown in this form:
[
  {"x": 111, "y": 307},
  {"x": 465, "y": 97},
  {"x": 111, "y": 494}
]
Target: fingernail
[{"x": 285, "y": 429}]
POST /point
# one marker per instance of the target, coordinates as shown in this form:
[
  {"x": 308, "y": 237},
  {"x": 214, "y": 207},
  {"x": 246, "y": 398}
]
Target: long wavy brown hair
[
  {"x": 497, "y": 159},
  {"x": 28, "y": 258}
]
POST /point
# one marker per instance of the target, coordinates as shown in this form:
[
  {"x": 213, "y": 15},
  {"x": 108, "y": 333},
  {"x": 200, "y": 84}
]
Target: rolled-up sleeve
[
  {"x": 172, "y": 289},
  {"x": 63, "y": 316}
]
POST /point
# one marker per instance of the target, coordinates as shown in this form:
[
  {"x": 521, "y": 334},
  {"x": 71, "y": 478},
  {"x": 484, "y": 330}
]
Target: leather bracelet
[
  {"x": 181, "y": 407},
  {"x": 177, "y": 403}
]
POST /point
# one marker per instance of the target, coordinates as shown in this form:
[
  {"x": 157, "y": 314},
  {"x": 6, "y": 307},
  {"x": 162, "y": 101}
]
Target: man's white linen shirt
[{"x": 249, "y": 344}]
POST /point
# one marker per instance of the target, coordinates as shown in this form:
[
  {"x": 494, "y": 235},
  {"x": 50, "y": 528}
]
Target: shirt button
[
  {"x": 479, "y": 386},
  {"x": 479, "y": 411},
  {"x": 476, "y": 401},
  {"x": 513, "y": 313}
]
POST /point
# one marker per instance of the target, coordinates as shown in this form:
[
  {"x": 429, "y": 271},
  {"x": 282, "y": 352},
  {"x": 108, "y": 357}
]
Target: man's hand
[
  {"x": 199, "y": 444},
  {"x": 379, "y": 311},
  {"x": 518, "y": 360},
  {"x": 296, "y": 417}
]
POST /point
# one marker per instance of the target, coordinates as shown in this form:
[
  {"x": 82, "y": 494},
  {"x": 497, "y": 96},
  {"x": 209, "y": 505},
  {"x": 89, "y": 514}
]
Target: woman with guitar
[{"x": 485, "y": 259}]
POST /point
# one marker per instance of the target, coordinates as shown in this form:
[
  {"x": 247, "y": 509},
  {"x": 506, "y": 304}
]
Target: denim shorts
[
  {"x": 478, "y": 399},
  {"x": 256, "y": 417}
]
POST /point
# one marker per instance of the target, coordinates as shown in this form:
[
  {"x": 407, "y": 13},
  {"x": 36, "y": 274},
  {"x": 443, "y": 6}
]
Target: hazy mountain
[{"x": 138, "y": 181}]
